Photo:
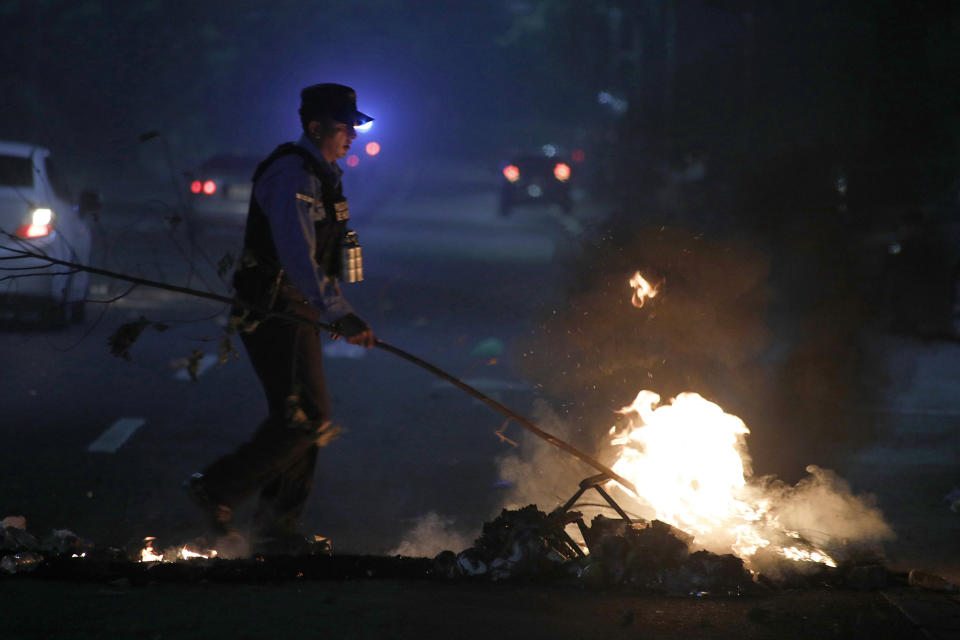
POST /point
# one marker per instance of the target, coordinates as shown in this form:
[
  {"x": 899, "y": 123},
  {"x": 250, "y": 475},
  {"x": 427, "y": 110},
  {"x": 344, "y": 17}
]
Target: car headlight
[{"x": 39, "y": 226}]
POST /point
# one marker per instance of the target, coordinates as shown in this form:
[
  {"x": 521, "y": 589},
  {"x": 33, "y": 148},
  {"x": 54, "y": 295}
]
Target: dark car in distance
[
  {"x": 219, "y": 192},
  {"x": 535, "y": 178}
]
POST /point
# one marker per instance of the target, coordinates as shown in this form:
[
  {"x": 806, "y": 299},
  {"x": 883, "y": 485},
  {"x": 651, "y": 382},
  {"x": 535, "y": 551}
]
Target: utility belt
[
  {"x": 262, "y": 286},
  {"x": 257, "y": 286}
]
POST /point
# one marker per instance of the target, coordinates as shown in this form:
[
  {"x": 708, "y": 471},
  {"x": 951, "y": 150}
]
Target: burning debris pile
[
  {"x": 703, "y": 524},
  {"x": 528, "y": 544}
]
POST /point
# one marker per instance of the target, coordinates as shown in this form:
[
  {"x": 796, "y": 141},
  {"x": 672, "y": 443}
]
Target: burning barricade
[{"x": 530, "y": 545}]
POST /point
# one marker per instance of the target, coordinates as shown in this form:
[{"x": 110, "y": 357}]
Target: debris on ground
[
  {"x": 21, "y": 552},
  {"x": 520, "y": 545}
]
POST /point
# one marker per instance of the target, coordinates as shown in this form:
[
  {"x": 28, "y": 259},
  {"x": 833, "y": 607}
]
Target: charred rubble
[
  {"x": 528, "y": 544},
  {"x": 521, "y": 545}
]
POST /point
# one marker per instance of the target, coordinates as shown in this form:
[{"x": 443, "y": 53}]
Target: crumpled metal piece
[{"x": 521, "y": 542}]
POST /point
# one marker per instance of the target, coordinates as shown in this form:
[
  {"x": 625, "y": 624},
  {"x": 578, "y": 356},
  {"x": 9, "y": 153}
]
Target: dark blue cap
[{"x": 334, "y": 100}]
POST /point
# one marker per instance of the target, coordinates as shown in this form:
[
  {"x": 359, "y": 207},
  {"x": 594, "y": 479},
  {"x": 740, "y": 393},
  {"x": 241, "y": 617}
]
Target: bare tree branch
[
  {"x": 46, "y": 274},
  {"x": 121, "y": 341}
]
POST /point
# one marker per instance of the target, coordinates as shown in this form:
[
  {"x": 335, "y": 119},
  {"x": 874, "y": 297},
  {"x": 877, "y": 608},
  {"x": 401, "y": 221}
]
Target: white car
[{"x": 38, "y": 215}]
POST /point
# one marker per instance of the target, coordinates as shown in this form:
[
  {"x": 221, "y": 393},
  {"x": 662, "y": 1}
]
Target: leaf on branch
[
  {"x": 225, "y": 264},
  {"x": 226, "y": 351},
  {"x": 125, "y": 336},
  {"x": 193, "y": 364}
]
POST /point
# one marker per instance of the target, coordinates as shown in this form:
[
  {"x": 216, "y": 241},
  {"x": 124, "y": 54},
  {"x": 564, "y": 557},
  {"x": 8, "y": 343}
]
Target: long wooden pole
[{"x": 409, "y": 357}]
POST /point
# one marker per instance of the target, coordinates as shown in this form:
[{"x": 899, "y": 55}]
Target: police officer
[{"x": 292, "y": 264}]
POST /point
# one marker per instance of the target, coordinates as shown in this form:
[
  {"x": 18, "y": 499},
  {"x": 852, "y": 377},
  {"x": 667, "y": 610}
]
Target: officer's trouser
[{"x": 279, "y": 459}]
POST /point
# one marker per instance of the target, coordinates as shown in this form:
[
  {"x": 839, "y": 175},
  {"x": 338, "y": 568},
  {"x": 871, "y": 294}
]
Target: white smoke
[
  {"x": 538, "y": 472},
  {"x": 824, "y": 509},
  {"x": 431, "y": 534},
  {"x": 821, "y": 508}
]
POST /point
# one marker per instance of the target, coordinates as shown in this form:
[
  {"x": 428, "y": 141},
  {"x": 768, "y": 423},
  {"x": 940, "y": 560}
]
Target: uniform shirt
[{"x": 292, "y": 220}]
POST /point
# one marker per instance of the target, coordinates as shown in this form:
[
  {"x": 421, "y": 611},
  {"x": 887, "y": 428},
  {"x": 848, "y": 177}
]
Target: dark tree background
[
  {"x": 728, "y": 127},
  {"x": 765, "y": 307}
]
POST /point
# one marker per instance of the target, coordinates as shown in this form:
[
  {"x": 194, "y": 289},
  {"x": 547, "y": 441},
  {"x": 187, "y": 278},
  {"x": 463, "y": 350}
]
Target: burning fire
[
  {"x": 149, "y": 554},
  {"x": 689, "y": 462},
  {"x": 642, "y": 290}
]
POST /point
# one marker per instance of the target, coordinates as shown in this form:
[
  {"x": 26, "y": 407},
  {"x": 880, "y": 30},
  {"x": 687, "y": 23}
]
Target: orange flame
[
  {"x": 689, "y": 463},
  {"x": 642, "y": 290},
  {"x": 149, "y": 554}
]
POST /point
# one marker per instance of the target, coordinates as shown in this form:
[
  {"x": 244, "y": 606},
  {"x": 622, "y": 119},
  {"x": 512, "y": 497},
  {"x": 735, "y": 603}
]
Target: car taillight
[
  {"x": 372, "y": 148},
  {"x": 209, "y": 187},
  {"x": 561, "y": 171},
  {"x": 511, "y": 173},
  {"x": 196, "y": 186},
  {"x": 40, "y": 225}
]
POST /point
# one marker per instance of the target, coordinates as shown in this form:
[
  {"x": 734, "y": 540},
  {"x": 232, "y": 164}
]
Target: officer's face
[{"x": 336, "y": 145}]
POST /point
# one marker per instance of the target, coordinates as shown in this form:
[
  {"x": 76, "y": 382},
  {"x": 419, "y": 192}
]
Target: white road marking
[
  {"x": 207, "y": 361},
  {"x": 114, "y": 437}
]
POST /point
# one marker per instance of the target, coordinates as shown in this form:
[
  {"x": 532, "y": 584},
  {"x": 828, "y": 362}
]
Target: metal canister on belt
[{"x": 351, "y": 258}]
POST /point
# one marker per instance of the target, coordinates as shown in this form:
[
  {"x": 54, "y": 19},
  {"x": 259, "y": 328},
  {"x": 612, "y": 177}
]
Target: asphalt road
[{"x": 100, "y": 445}]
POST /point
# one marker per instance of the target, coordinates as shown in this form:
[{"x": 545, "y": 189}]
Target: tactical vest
[{"x": 260, "y": 264}]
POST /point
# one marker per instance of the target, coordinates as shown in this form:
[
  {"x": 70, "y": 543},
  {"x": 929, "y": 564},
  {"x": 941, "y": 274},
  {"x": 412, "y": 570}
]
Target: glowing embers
[
  {"x": 149, "y": 554},
  {"x": 689, "y": 462},
  {"x": 642, "y": 289}
]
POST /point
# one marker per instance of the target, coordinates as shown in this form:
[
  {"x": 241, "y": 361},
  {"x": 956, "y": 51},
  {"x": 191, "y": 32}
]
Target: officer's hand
[{"x": 354, "y": 329}]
